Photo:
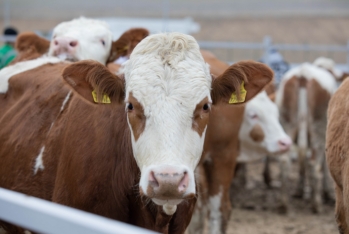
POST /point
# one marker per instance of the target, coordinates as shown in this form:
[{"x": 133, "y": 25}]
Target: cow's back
[
  {"x": 337, "y": 132},
  {"x": 28, "y": 109}
]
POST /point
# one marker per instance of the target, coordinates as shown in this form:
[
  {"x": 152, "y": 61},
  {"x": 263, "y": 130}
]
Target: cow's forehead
[
  {"x": 168, "y": 67},
  {"x": 261, "y": 104},
  {"x": 83, "y": 26}
]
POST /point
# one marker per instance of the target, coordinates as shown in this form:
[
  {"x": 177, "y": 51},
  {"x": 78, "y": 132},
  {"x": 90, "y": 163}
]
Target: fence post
[{"x": 267, "y": 42}]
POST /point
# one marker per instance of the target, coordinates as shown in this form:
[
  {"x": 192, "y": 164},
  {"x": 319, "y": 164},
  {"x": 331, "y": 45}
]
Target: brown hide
[
  {"x": 88, "y": 161},
  {"x": 290, "y": 102},
  {"x": 221, "y": 147},
  {"x": 337, "y": 152},
  {"x": 126, "y": 43},
  {"x": 30, "y": 46},
  {"x": 217, "y": 67}
]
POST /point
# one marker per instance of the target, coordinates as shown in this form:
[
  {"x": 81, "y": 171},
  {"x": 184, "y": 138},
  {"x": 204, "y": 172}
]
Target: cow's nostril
[
  {"x": 285, "y": 143},
  {"x": 183, "y": 184},
  {"x": 153, "y": 180},
  {"x": 73, "y": 43},
  {"x": 55, "y": 42}
]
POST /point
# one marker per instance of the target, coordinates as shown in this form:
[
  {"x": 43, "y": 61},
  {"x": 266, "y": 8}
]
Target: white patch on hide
[
  {"x": 308, "y": 71},
  {"x": 263, "y": 112},
  {"x": 39, "y": 164},
  {"x": 168, "y": 76},
  {"x": 7, "y": 72},
  {"x": 214, "y": 203},
  {"x": 302, "y": 139},
  {"x": 328, "y": 64},
  {"x": 121, "y": 60},
  {"x": 66, "y": 99},
  {"x": 89, "y": 33}
]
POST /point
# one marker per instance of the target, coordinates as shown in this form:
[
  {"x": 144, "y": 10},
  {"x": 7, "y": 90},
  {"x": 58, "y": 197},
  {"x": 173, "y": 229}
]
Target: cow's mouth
[
  {"x": 169, "y": 203},
  {"x": 67, "y": 57}
]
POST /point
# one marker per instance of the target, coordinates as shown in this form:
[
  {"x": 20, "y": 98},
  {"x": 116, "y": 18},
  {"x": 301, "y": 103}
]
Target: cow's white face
[
  {"x": 168, "y": 102},
  {"x": 81, "y": 39},
  {"x": 261, "y": 129}
]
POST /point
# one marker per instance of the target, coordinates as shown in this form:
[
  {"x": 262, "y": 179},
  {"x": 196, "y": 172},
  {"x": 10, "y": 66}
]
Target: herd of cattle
[{"x": 149, "y": 129}]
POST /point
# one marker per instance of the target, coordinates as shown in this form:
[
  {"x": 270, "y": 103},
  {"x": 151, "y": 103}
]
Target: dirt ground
[{"x": 255, "y": 208}]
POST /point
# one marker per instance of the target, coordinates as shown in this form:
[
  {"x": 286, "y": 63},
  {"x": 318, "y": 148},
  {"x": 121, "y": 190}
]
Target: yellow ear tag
[
  {"x": 234, "y": 99},
  {"x": 105, "y": 98}
]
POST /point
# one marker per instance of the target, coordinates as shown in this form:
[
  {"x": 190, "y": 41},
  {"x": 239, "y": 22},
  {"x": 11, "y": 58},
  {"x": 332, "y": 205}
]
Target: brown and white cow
[
  {"x": 303, "y": 98},
  {"x": 262, "y": 137},
  {"x": 132, "y": 156},
  {"x": 337, "y": 152},
  {"x": 221, "y": 150},
  {"x": 79, "y": 39}
]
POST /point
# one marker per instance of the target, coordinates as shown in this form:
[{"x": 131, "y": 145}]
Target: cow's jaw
[{"x": 167, "y": 92}]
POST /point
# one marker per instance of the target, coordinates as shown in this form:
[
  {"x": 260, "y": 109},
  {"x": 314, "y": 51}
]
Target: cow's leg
[
  {"x": 327, "y": 183},
  {"x": 266, "y": 172},
  {"x": 316, "y": 162},
  {"x": 301, "y": 180},
  {"x": 239, "y": 181},
  {"x": 220, "y": 171},
  {"x": 340, "y": 212},
  {"x": 315, "y": 183},
  {"x": 240, "y": 175},
  {"x": 285, "y": 165},
  {"x": 197, "y": 223}
]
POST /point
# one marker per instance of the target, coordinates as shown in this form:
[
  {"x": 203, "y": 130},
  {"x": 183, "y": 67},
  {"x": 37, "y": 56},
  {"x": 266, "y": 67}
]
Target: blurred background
[
  {"x": 289, "y": 31},
  {"x": 300, "y": 22}
]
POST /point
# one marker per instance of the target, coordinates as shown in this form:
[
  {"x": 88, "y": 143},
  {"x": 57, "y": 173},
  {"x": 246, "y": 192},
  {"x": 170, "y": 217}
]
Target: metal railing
[
  {"x": 264, "y": 47},
  {"x": 47, "y": 217},
  {"x": 267, "y": 44}
]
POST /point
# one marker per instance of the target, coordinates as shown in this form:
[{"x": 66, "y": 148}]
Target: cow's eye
[
  {"x": 130, "y": 107},
  {"x": 206, "y": 107},
  {"x": 254, "y": 116},
  {"x": 103, "y": 42}
]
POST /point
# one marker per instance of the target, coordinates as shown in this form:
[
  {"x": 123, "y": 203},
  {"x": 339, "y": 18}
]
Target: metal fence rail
[
  {"x": 47, "y": 217},
  {"x": 267, "y": 44},
  {"x": 227, "y": 50}
]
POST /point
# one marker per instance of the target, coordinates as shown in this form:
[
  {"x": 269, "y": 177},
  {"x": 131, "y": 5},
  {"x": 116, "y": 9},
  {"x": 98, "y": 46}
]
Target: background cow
[
  {"x": 303, "y": 98},
  {"x": 337, "y": 151},
  {"x": 221, "y": 149},
  {"x": 79, "y": 39},
  {"x": 261, "y": 137},
  {"x": 129, "y": 161}
]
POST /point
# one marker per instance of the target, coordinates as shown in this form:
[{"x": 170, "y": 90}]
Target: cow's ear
[
  {"x": 241, "y": 82},
  {"x": 30, "y": 46},
  {"x": 126, "y": 43},
  {"x": 94, "y": 82},
  {"x": 30, "y": 41}
]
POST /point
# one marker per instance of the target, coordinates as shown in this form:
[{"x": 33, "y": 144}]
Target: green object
[{"x": 7, "y": 54}]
